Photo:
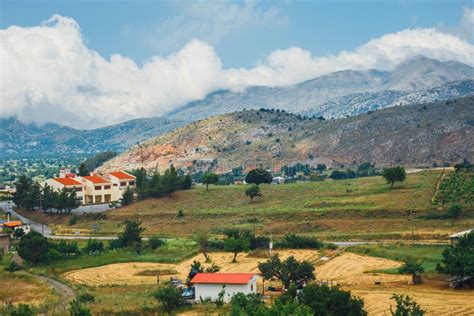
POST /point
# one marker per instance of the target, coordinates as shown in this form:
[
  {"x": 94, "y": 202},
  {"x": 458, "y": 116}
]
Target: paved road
[{"x": 40, "y": 228}]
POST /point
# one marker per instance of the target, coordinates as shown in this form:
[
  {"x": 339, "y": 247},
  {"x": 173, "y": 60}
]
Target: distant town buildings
[{"x": 93, "y": 189}]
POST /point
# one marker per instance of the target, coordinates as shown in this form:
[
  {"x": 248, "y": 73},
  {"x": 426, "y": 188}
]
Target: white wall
[{"x": 212, "y": 290}]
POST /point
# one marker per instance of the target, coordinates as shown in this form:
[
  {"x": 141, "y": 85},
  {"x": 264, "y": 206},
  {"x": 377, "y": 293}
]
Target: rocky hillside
[
  {"x": 415, "y": 135},
  {"x": 347, "y": 92},
  {"x": 18, "y": 139}
]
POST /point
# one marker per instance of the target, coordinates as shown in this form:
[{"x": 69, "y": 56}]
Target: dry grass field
[
  {"x": 355, "y": 209},
  {"x": 351, "y": 271},
  {"x": 17, "y": 288}
]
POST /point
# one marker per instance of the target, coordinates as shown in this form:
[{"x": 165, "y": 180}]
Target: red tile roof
[
  {"x": 95, "y": 179},
  {"x": 122, "y": 175},
  {"x": 67, "y": 181},
  {"x": 223, "y": 278}
]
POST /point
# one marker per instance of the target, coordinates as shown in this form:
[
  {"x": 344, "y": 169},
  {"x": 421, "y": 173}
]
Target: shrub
[
  {"x": 298, "y": 242},
  {"x": 170, "y": 298},
  {"x": 406, "y": 306},
  {"x": 78, "y": 309},
  {"x": 93, "y": 246},
  {"x": 13, "y": 267},
  {"x": 324, "y": 300},
  {"x": 86, "y": 298},
  {"x": 155, "y": 242},
  {"x": 33, "y": 247},
  {"x": 73, "y": 220}
]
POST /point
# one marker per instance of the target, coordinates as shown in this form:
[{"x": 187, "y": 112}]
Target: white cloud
[{"x": 49, "y": 74}]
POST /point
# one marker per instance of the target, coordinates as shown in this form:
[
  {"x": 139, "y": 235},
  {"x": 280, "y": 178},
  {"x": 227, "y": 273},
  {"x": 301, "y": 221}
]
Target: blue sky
[
  {"x": 130, "y": 28},
  {"x": 92, "y": 63}
]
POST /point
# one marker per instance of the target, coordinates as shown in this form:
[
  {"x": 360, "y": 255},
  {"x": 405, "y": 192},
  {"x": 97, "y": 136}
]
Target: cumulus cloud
[
  {"x": 465, "y": 28},
  {"x": 48, "y": 73}
]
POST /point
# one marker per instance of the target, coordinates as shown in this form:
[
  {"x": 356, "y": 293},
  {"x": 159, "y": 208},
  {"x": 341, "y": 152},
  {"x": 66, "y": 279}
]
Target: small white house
[{"x": 209, "y": 285}]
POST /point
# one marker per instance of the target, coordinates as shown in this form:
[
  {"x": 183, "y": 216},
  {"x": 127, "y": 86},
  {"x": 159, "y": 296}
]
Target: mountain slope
[
  {"x": 342, "y": 93},
  {"x": 19, "y": 139},
  {"x": 415, "y": 135}
]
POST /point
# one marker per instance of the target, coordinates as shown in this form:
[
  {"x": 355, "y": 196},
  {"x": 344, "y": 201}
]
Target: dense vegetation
[{"x": 457, "y": 187}]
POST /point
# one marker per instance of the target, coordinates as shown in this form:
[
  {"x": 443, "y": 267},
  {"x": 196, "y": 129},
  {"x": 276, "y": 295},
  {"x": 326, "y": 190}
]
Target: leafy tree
[
  {"x": 242, "y": 304},
  {"x": 458, "y": 259},
  {"x": 287, "y": 271},
  {"x": 78, "y": 309},
  {"x": 337, "y": 175},
  {"x": 394, "y": 174},
  {"x": 406, "y": 306},
  {"x": 209, "y": 178},
  {"x": 258, "y": 176},
  {"x": 170, "y": 298},
  {"x": 127, "y": 197},
  {"x": 33, "y": 247},
  {"x": 131, "y": 234},
  {"x": 236, "y": 245},
  {"x": 328, "y": 301},
  {"x": 202, "y": 240},
  {"x": 23, "y": 187},
  {"x": 82, "y": 170},
  {"x": 252, "y": 191},
  {"x": 292, "y": 241},
  {"x": 413, "y": 267}
]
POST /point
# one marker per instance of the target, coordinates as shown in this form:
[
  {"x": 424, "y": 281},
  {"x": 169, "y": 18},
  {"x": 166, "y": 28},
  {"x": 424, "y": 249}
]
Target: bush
[
  {"x": 86, "y": 298},
  {"x": 298, "y": 242},
  {"x": 170, "y": 298},
  {"x": 33, "y": 247},
  {"x": 53, "y": 255},
  {"x": 324, "y": 300},
  {"x": 73, "y": 219},
  {"x": 93, "y": 246},
  {"x": 454, "y": 211},
  {"x": 78, "y": 309},
  {"x": 155, "y": 242},
  {"x": 13, "y": 267},
  {"x": 406, "y": 306}
]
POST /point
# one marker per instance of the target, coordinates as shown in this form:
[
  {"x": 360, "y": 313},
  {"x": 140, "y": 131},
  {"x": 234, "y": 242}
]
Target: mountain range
[
  {"x": 412, "y": 135},
  {"x": 335, "y": 95}
]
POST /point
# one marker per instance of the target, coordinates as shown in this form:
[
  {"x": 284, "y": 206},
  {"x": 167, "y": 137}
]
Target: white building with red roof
[
  {"x": 209, "y": 285},
  {"x": 120, "y": 181},
  {"x": 94, "y": 189},
  {"x": 68, "y": 183},
  {"x": 97, "y": 189}
]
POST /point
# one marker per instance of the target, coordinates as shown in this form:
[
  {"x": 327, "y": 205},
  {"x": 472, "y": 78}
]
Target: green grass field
[
  {"x": 429, "y": 255},
  {"x": 356, "y": 209}
]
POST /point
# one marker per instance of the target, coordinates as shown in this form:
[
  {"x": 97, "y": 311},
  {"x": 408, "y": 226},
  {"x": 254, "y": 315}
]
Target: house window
[
  {"x": 251, "y": 287},
  {"x": 78, "y": 189},
  {"x": 131, "y": 183},
  {"x": 122, "y": 184},
  {"x": 115, "y": 184},
  {"x": 98, "y": 187},
  {"x": 106, "y": 187}
]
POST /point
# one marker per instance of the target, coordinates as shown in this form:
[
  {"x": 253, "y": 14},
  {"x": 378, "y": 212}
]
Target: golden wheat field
[{"x": 351, "y": 271}]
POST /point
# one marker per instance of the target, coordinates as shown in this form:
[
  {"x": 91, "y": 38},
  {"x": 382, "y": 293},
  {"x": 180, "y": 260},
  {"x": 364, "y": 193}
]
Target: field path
[{"x": 66, "y": 292}]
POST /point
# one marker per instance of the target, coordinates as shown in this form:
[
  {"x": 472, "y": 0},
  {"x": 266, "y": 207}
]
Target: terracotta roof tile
[
  {"x": 67, "y": 181},
  {"x": 122, "y": 175},
  {"x": 95, "y": 179},
  {"x": 223, "y": 278}
]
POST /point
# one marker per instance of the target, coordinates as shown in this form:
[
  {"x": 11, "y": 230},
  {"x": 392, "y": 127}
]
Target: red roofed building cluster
[{"x": 94, "y": 189}]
